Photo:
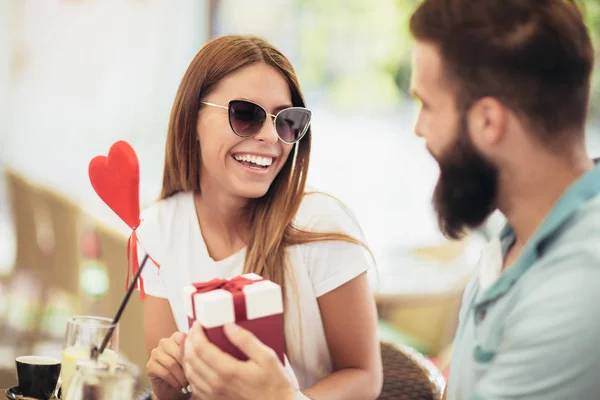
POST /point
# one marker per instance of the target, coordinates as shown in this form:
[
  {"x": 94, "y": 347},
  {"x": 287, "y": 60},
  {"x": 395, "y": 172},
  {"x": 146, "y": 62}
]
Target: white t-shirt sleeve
[
  {"x": 148, "y": 241},
  {"x": 332, "y": 263}
]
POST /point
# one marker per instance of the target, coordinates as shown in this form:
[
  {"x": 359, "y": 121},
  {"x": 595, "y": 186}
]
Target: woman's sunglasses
[{"x": 247, "y": 118}]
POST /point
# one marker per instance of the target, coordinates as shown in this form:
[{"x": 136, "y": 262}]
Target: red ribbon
[
  {"x": 234, "y": 286},
  {"x": 133, "y": 263}
]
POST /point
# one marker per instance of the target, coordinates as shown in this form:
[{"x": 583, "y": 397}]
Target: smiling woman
[
  {"x": 220, "y": 151},
  {"x": 234, "y": 201}
]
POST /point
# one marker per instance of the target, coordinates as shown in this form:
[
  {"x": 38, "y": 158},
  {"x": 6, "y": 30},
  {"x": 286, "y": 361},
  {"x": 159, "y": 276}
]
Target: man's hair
[{"x": 534, "y": 56}]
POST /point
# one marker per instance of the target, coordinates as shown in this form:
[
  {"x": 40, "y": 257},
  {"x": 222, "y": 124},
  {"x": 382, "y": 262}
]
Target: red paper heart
[{"x": 116, "y": 179}]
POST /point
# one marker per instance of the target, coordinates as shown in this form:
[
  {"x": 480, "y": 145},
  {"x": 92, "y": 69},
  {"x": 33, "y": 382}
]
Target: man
[{"x": 504, "y": 87}]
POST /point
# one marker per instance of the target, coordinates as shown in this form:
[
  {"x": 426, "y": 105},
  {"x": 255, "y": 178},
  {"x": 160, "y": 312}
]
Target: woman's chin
[{"x": 252, "y": 191}]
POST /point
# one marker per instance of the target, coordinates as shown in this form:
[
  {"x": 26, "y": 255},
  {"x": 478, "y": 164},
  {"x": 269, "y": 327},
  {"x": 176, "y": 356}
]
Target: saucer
[{"x": 14, "y": 393}]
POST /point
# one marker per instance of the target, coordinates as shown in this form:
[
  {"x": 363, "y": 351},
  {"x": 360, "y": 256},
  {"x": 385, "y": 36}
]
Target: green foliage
[
  {"x": 359, "y": 51},
  {"x": 591, "y": 10},
  {"x": 354, "y": 49}
]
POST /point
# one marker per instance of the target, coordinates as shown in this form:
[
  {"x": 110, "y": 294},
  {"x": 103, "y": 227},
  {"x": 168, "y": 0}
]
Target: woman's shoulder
[
  {"x": 330, "y": 263},
  {"x": 162, "y": 218},
  {"x": 323, "y": 212},
  {"x": 165, "y": 210}
]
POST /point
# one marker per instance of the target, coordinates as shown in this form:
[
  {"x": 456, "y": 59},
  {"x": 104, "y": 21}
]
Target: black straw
[{"x": 95, "y": 352}]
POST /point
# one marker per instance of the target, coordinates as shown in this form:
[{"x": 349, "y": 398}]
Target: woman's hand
[
  {"x": 214, "y": 374},
  {"x": 165, "y": 368}
]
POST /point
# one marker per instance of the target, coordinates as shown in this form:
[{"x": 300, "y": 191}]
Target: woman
[{"x": 233, "y": 201}]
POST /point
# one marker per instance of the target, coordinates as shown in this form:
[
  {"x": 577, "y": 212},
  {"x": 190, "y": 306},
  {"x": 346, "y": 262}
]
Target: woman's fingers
[
  {"x": 158, "y": 372},
  {"x": 167, "y": 355}
]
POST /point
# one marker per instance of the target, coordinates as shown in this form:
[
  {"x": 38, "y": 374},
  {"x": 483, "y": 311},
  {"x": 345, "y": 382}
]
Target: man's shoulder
[
  {"x": 564, "y": 280},
  {"x": 585, "y": 220},
  {"x": 576, "y": 245}
]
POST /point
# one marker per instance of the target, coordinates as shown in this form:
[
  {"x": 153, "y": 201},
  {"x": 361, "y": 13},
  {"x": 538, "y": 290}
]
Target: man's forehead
[{"x": 427, "y": 68}]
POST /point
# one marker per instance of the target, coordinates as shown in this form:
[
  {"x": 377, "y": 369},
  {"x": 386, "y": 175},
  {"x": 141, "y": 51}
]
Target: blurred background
[{"x": 77, "y": 75}]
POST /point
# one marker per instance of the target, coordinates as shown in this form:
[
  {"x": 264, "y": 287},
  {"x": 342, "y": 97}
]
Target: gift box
[{"x": 250, "y": 301}]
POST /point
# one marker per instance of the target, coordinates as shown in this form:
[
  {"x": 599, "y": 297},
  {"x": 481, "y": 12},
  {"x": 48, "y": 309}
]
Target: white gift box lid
[{"x": 215, "y": 308}]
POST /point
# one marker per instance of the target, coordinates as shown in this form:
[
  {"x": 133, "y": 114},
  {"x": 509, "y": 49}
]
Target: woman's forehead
[{"x": 259, "y": 83}]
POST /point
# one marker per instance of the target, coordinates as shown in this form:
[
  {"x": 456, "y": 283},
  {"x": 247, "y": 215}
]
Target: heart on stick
[{"x": 116, "y": 180}]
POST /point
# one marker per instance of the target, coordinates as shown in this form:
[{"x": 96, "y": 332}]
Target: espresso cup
[{"x": 37, "y": 376}]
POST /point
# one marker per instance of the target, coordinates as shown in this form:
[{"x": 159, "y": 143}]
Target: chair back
[
  {"x": 22, "y": 196},
  {"x": 408, "y": 375},
  {"x": 63, "y": 217}
]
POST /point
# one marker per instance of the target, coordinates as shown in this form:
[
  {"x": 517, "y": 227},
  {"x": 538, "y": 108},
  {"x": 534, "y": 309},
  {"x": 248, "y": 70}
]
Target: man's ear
[{"x": 487, "y": 120}]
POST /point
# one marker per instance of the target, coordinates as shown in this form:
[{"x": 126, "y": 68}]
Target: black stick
[{"x": 95, "y": 352}]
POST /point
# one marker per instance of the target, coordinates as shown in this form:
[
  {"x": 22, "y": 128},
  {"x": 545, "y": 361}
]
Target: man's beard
[{"x": 465, "y": 194}]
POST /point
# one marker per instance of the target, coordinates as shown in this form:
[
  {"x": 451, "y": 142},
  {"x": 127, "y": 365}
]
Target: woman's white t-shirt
[{"x": 171, "y": 234}]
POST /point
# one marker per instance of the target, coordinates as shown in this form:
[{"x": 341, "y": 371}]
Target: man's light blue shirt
[{"x": 535, "y": 332}]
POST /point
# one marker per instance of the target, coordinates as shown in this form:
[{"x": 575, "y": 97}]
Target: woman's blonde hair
[{"x": 271, "y": 216}]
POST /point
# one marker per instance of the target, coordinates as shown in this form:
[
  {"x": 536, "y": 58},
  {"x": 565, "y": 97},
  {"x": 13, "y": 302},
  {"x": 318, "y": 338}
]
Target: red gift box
[{"x": 248, "y": 300}]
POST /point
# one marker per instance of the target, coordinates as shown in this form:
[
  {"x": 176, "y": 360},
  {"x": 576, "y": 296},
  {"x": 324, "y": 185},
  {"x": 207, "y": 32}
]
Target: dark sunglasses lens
[
  {"x": 245, "y": 118},
  {"x": 292, "y": 123}
]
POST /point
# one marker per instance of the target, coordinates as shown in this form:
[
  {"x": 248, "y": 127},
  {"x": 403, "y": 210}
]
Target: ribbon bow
[
  {"x": 234, "y": 286},
  {"x": 132, "y": 261}
]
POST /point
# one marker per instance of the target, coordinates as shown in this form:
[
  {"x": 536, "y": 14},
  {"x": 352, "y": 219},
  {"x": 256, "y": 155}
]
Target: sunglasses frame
[{"x": 267, "y": 114}]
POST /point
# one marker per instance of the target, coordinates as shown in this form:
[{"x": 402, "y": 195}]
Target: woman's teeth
[{"x": 257, "y": 160}]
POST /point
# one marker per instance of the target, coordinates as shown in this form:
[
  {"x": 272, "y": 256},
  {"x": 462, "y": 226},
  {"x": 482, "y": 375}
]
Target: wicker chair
[{"x": 408, "y": 375}]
